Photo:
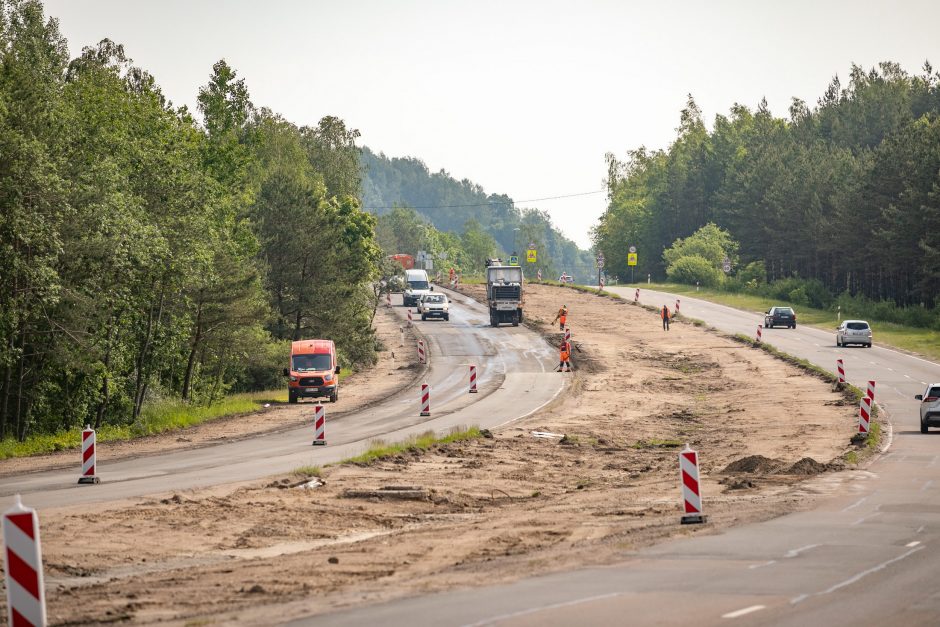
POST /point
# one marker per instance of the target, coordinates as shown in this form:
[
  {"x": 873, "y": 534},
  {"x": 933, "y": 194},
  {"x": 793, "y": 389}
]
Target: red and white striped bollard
[
  {"x": 26, "y": 591},
  {"x": 410, "y": 321},
  {"x": 539, "y": 274},
  {"x": 422, "y": 355},
  {"x": 691, "y": 488},
  {"x": 567, "y": 332},
  {"x": 871, "y": 392},
  {"x": 388, "y": 299},
  {"x": 425, "y": 399},
  {"x": 473, "y": 379},
  {"x": 864, "y": 415},
  {"x": 89, "y": 457},
  {"x": 319, "y": 425},
  {"x": 841, "y": 368},
  {"x": 759, "y": 329},
  {"x": 677, "y": 306}
]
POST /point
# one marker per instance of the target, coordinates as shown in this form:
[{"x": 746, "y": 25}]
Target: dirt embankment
[{"x": 483, "y": 511}]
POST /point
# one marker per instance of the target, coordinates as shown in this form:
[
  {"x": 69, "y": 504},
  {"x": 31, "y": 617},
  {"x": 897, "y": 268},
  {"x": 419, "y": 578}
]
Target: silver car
[
  {"x": 853, "y": 332},
  {"x": 929, "y": 407}
]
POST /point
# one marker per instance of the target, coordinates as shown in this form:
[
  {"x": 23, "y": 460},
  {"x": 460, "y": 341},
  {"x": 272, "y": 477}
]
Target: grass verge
[
  {"x": 380, "y": 450},
  {"x": 155, "y": 418}
]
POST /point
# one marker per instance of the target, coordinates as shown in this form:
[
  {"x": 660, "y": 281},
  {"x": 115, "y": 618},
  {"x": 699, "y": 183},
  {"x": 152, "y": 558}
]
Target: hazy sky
[{"x": 522, "y": 97}]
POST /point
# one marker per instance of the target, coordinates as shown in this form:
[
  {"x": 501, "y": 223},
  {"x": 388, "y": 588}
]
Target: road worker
[
  {"x": 564, "y": 362},
  {"x": 665, "y": 315},
  {"x": 562, "y": 317}
]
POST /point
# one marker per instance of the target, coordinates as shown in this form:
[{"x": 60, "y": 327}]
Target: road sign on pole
[
  {"x": 514, "y": 260},
  {"x": 530, "y": 255},
  {"x": 631, "y": 259}
]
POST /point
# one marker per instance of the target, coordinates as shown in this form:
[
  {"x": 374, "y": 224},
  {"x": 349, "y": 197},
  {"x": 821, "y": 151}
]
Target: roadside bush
[
  {"x": 806, "y": 292},
  {"x": 859, "y": 306},
  {"x": 692, "y": 269}
]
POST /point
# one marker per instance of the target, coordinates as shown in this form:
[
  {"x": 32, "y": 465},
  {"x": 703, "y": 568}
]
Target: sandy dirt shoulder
[
  {"x": 397, "y": 367},
  {"x": 478, "y": 512}
]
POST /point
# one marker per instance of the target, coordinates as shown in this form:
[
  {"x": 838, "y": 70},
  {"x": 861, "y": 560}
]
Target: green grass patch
[
  {"x": 309, "y": 471},
  {"x": 914, "y": 339},
  {"x": 155, "y": 418},
  {"x": 380, "y": 450}
]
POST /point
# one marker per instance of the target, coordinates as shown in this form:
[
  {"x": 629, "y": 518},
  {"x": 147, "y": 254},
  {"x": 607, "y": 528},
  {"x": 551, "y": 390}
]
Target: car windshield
[
  {"x": 857, "y": 326},
  {"x": 306, "y": 363},
  {"x": 784, "y": 310},
  {"x": 418, "y": 285},
  {"x": 434, "y": 299}
]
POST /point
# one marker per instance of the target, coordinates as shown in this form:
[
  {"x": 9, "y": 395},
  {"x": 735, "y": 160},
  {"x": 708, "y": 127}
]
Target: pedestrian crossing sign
[{"x": 514, "y": 260}]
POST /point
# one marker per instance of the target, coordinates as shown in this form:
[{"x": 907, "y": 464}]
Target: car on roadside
[
  {"x": 434, "y": 305},
  {"x": 780, "y": 317},
  {"x": 853, "y": 332},
  {"x": 929, "y": 407}
]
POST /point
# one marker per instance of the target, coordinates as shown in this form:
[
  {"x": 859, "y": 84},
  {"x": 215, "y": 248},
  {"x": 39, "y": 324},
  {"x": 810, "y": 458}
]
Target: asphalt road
[
  {"x": 866, "y": 555},
  {"x": 515, "y": 374}
]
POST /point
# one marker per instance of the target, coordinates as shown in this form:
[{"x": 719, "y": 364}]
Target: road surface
[
  {"x": 866, "y": 555},
  {"x": 515, "y": 374}
]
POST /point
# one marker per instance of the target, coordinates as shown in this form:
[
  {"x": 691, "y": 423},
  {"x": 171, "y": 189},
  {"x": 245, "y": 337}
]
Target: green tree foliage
[
  {"x": 449, "y": 204},
  {"x": 844, "y": 194},
  {"x": 146, "y": 256}
]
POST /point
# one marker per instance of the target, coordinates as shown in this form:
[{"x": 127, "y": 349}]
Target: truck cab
[{"x": 313, "y": 370}]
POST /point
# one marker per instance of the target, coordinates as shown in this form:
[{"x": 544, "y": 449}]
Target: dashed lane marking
[
  {"x": 742, "y": 612},
  {"x": 914, "y": 543}
]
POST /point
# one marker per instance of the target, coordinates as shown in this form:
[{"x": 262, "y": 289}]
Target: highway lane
[
  {"x": 867, "y": 554},
  {"x": 515, "y": 378}
]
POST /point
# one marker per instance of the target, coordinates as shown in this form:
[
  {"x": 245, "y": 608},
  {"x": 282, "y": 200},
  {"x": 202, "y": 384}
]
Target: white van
[{"x": 416, "y": 285}]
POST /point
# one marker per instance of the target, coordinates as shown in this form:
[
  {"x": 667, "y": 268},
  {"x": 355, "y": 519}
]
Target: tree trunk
[{"x": 197, "y": 337}]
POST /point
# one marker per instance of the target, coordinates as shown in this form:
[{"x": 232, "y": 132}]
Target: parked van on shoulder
[
  {"x": 417, "y": 284},
  {"x": 313, "y": 370}
]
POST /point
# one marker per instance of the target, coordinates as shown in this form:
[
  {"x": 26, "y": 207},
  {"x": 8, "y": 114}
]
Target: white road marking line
[
  {"x": 920, "y": 529},
  {"x": 891, "y": 369},
  {"x": 753, "y": 566},
  {"x": 908, "y": 376},
  {"x": 873, "y": 363},
  {"x": 864, "y": 518},
  {"x": 856, "y": 504},
  {"x": 555, "y": 606},
  {"x": 896, "y": 391},
  {"x": 927, "y": 485},
  {"x": 814, "y": 344},
  {"x": 923, "y": 383},
  {"x": 798, "y": 599},
  {"x": 802, "y": 549},
  {"x": 914, "y": 543},
  {"x": 873, "y": 569},
  {"x": 742, "y": 612}
]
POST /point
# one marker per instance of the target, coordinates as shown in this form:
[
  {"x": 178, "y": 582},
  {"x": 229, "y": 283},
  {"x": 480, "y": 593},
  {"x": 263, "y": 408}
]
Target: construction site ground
[{"x": 586, "y": 480}]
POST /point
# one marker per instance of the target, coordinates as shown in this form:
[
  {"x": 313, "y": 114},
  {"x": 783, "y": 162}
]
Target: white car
[
  {"x": 853, "y": 332},
  {"x": 929, "y": 407},
  {"x": 434, "y": 305}
]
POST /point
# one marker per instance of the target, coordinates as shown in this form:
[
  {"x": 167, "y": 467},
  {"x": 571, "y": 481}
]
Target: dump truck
[{"x": 504, "y": 292}]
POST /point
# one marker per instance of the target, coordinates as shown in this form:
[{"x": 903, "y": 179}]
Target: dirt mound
[
  {"x": 806, "y": 466},
  {"x": 753, "y": 464}
]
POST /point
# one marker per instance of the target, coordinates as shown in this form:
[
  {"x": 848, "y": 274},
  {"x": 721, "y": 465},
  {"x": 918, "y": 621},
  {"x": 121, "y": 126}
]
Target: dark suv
[{"x": 780, "y": 317}]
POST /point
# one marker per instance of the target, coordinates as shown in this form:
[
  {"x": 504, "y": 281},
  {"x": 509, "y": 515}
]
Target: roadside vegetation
[
  {"x": 150, "y": 259},
  {"x": 381, "y": 450},
  {"x": 834, "y": 208}
]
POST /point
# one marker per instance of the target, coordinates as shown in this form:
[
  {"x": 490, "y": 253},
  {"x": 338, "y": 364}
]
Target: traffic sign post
[
  {"x": 631, "y": 261},
  {"x": 530, "y": 255},
  {"x": 513, "y": 260}
]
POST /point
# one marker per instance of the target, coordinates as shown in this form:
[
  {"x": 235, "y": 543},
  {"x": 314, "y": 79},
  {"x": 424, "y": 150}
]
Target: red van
[{"x": 313, "y": 370}]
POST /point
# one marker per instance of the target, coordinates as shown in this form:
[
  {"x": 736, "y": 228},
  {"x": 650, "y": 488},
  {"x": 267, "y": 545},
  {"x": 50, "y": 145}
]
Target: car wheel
[
  {"x": 424, "y": 317},
  {"x": 923, "y": 427},
  {"x": 793, "y": 326},
  {"x": 334, "y": 397},
  {"x": 446, "y": 317},
  {"x": 291, "y": 397},
  {"x": 869, "y": 345},
  {"x": 838, "y": 342}
]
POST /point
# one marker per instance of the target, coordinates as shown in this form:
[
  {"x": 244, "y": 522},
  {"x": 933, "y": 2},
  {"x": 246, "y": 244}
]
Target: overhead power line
[{"x": 490, "y": 203}]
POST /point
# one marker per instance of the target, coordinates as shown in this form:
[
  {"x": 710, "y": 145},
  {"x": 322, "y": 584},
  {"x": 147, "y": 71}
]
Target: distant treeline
[
  {"x": 144, "y": 255},
  {"x": 462, "y": 209},
  {"x": 846, "y": 193}
]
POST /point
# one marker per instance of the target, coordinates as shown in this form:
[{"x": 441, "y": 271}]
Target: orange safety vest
[
  {"x": 562, "y": 314},
  {"x": 664, "y": 313},
  {"x": 565, "y": 352}
]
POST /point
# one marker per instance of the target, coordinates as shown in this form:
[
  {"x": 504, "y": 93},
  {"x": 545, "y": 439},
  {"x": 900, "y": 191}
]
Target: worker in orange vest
[
  {"x": 665, "y": 315},
  {"x": 564, "y": 363},
  {"x": 562, "y": 317}
]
